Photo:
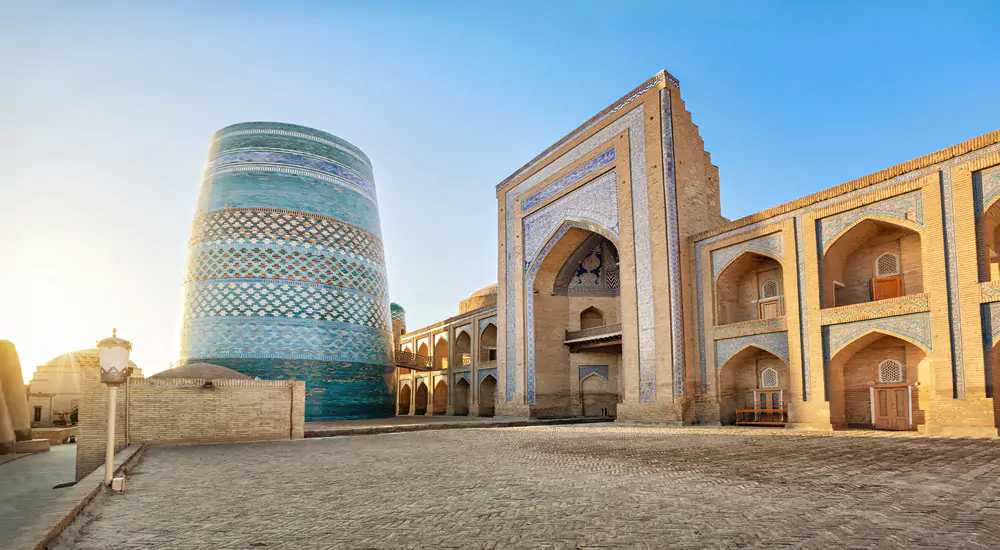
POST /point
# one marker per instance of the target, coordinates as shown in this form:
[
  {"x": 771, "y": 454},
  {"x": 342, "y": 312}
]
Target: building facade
[
  {"x": 286, "y": 272},
  {"x": 622, "y": 290}
]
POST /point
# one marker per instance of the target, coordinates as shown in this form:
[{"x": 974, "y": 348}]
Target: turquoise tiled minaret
[{"x": 286, "y": 273}]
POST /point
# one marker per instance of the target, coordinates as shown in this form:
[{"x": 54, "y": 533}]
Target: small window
[
  {"x": 887, "y": 265},
  {"x": 769, "y": 290},
  {"x": 769, "y": 378},
  {"x": 890, "y": 370}
]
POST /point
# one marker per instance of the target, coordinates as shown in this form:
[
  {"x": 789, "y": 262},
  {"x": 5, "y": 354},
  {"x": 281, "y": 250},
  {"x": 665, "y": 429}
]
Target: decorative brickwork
[
  {"x": 286, "y": 274},
  {"x": 771, "y": 245},
  {"x": 597, "y": 370},
  {"x": 749, "y": 328},
  {"x": 915, "y": 328},
  {"x": 774, "y": 342},
  {"x": 890, "y": 307},
  {"x": 908, "y": 207},
  {"x": 990, "y": 292}
]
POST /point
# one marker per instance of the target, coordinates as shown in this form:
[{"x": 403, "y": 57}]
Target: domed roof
[
  {"x": 396, "y": 307},
  {"x": 486, "y": 291},
  {"x": 83, "y": 357},
  {"x": 205, "y": 371}
]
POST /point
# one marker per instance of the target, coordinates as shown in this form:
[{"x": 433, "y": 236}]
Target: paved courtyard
[
  {"x": 26, "y": 486},
  {"x": 568, "y": 486}
]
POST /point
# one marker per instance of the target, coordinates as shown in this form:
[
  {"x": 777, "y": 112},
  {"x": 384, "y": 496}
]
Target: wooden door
[
  {"x": 887, "y": 287},
  {"x": 769, "y": 309},
  {"x": 892, "y": 406}
]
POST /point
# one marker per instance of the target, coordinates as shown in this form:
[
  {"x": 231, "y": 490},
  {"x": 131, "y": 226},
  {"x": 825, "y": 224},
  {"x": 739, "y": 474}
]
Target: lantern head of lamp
[{"x": 114, "y": 353}]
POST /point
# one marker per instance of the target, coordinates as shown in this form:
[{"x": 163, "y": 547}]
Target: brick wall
[{"x": 181, "y": 410}]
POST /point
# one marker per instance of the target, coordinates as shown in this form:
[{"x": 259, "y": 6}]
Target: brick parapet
[{"x": 891, "y": 307}]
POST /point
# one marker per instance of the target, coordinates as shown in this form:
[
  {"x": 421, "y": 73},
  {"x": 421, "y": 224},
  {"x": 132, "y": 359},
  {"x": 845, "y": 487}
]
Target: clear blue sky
[{"x": 106, "y": 110}]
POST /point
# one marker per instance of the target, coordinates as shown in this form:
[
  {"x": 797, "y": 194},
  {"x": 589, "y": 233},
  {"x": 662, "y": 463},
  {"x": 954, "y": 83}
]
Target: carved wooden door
[
  {"x": 769, "y": 309},
  {"x": 887, "y": 287},
  {"x": 892, "y": 407}
]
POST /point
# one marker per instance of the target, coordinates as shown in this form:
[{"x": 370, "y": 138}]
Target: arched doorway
[
  {"x": 753, "y": 380},
  {"x": 462, "y": 394},
  {"x": 750, "y": 287},
  {"x": 597, "y": 396},
  {"x": 440, "y": 398},
  {"x": 441, "y": 353},
  {"x": 487, "y": 396},
  {"x": 488, "y": 344},
  {"x": 873, "y": 383},
  {"x": 463, "y": 349},
  {"x": 575, "y": 285},
  {"x": 874, "y": 260},
  {"x": 404, "y": 400},
  {"x": 420, "y": 407}
]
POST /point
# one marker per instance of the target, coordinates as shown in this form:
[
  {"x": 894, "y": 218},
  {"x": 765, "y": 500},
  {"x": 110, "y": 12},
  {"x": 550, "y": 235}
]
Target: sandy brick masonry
[{"x": 182, "y": 410}]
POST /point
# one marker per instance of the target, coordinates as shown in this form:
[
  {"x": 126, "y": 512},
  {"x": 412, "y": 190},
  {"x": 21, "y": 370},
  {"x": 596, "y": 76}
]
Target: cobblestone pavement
[
  {"x": 26, "y": 486},
  {"x": 565, "y": 487}
]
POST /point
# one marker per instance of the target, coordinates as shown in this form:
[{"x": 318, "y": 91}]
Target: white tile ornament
[
  {"x": 673, "y": 246},
  {"x": 899, "y": 207},
  {"x": 769, "y": 245},
  {"x": 774, "y": 342},
  {"x": 915, "y": 327}
]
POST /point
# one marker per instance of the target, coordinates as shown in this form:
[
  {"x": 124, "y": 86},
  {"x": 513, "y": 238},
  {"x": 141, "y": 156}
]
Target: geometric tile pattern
[
  {"x": 483, "y": 373},
  {"x": 596, "y": 201},
  {"x": 462, "y": 375},
  {"x": 282, "y": 299},
  {"x": 767, "y": 244},
  {"x": 774, "y": 342},
  {"x": 991, "y": 323},
  {"x": 896, "y": 207},
  {"x": 584, "y": 170},
  {"x": 987, "y": 186},
  {"x": 914, "y": 303},
  {"x": 486, "y": 321},
  {"x": 673, "y": 245},
  {"x": 283, "y": 262},
  {"x": 915, "y": 326},
  {"x": 599, "y": 370},
  {"x": 261, "y": 226},
  {"x": 747, "y": 328},
  {"x": 989, "y": 292},
  {"x": 397, "y": 312},
  {"x": 632, "y": 122},
  {"x": 286, "y": 271}
]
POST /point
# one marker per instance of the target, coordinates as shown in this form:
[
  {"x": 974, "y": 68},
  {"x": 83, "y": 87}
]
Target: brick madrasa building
[{"x": 622, "y": 291}]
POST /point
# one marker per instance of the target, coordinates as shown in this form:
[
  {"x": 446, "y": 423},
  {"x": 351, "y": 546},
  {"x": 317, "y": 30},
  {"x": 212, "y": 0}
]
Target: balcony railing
[
  {"x": 487, "y": 364},
  {"x": 595, "y": 333},
  {"x": 413, "y": 361}
]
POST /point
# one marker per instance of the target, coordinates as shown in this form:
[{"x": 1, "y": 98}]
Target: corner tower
[{"x": 286, "y": 272}]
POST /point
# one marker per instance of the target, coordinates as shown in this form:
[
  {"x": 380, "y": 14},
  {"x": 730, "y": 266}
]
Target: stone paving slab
[
  {"x": 335, "y": 428},
  {"x": 26, "y": 486},
  {"x": 562, "y": 487}
]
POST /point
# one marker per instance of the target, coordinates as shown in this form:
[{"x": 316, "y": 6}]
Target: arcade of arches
[{"x": 624, "y": 293}]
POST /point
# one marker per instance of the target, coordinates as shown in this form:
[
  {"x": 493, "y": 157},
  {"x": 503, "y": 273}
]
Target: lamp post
[{"x": 115, "y": 371}]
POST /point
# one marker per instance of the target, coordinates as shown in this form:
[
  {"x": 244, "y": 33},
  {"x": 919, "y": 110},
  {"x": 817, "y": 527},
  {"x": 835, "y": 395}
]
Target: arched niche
[{"x": 750, "y": 287}]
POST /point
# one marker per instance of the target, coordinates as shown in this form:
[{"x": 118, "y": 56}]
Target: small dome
[
  {"x": 484, "y": 297},
  {"x": 83, "y": 358},
  {"x": 487, "y": 291},
  {"x": 206, "y": 371},
  {"x": 396, "y": 307}
]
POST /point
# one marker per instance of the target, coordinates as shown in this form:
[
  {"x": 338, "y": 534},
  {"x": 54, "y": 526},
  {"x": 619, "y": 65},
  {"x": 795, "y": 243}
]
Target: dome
[
  {"x": 484, "y": 297},
  {"x": 206, "y": 371},
  {"x": 83, "y": 358}
]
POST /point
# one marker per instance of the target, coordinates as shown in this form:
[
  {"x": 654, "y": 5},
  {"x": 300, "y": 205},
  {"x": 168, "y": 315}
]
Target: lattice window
[
  {"x": 886, "y": 265},
  {"x": 890, "y": 370},
  {"x": 769, "y": 289},
  {"x": 769, "y": 378}
]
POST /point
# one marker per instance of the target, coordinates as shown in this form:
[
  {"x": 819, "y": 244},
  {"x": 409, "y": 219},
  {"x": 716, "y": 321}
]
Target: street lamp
[{"x": 115, "y": 371}]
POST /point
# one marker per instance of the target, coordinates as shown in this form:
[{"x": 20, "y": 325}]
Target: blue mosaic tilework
[
  {"x": 284, "y": 262},
  {"x": 774, "y": 342},
  {"x": 282, "y": 299},
  {"x": 599, "y": 370},
  {"x": 280, "y": 161},
  {"x": 895, "y": 207},
  {"x": 268, "y": 226},
  {"x": 288, "y": 191},
  {"x": 286, "y": 271},
  {"x": 577, "y": 175},
  {"x": 485, "y": 321},
  {"x": 991, "y": 324},
  {"x": 596, "y": 202},
  {"x": 673, "y": 244},
  {"x": 286, "y": 339},
  {"x": 944, "y": 171},
  {"x": 987, "y": 186},
  {"x": 915, "y": 326},
  {"x": 460, "y": 375},
  {"x": 345, "y": 388},
  {"x": 767, "y": 244},
  {"x": 483, "y": 373},
  {"x": 292, "y": 138},
  {"x": 397, "y": 311}
]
